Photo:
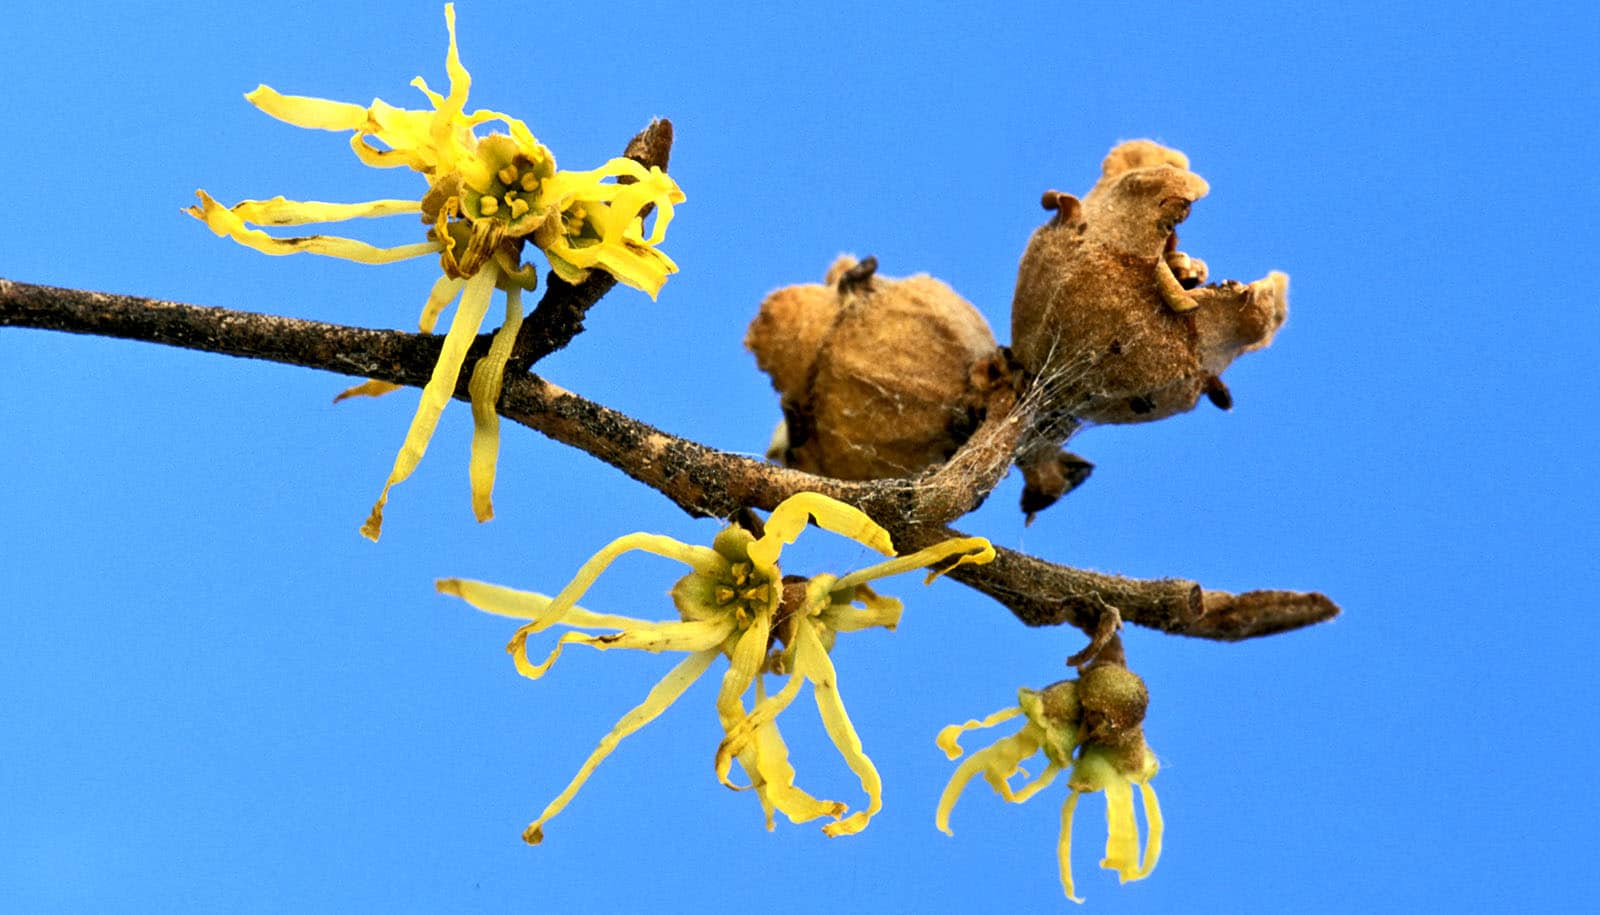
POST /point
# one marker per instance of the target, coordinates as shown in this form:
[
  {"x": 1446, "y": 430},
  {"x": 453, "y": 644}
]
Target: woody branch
[{"x": 702, "y": 481}]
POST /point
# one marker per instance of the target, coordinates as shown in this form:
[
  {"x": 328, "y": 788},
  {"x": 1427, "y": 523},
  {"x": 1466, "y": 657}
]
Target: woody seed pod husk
[
  {"x": 1105, "y": 317},
  {"x": 875, "y": 374}
]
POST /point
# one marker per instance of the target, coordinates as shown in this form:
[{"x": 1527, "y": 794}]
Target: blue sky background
[{"x": 216, "y": 696}]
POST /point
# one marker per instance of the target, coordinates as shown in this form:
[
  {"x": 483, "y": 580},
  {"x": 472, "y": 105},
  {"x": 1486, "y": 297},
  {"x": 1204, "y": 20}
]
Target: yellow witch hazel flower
[
  {"x": 487, "y": 197},
  {"x": 737, "y": 603},
  {"x": 1099, "y": 718}
]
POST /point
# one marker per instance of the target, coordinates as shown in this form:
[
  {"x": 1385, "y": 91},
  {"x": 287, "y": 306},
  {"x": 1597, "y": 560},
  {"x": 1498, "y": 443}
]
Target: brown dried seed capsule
[
  {"x": 888, "y": 387},
  {"x": 1108, "y": 320}
]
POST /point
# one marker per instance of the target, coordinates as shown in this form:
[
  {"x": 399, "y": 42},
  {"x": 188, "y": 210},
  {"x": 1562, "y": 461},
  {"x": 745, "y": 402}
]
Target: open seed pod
[
  {"x": 1109, "y": 317},
  {"x": 879, "y": 377}
]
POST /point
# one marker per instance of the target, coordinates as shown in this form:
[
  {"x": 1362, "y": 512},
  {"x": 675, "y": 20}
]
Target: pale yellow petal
[
  {"x": 787, "y": 521},
  {"x": 880, "y": 611},
  {"x": 488, "y": 377},
  {"x": 1028, "y": 790},
  {"x": 441, "y": 386},
  {"x": 1122, "y": 831},
  {"x": 701, "y": 559},
  {"x": 311, "y": 113},
  {"x": 224, "y": 222},
  {"x": 949, "y": 735},
  {"x": 1064, "y": 845},
  {"x": 777, "y": 786},
  {"x": 280, "y": 211},
  {"x": 968, "y": 549},
  {"x": 666, "y": 692},
  {"x": 444, "y": 289},
  {"x": 996, "y": 761},
  {"x": 1156, "y": 826},
  {"x": 812, "y": 660},
  {"x": 527, "y": 605},
  {"x": 740, "y": 731},
  {"x": 372, "y": 387},
  {"x": 701, "y": 635}
]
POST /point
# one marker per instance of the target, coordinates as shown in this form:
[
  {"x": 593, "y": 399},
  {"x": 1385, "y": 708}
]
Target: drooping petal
[
  {"x": 743, "y": 732},
  {"x": 1064, "y": 845},
  {"x": 1156, "y": 826},
  {"x": 786, "y": 522},
  {"x": 661, "y": 697},
  {"x": 488, "y": 377},
  {"x": 812, "y": 660},
  {"x": 474, "y": 303},
  {"x": 950, "y": 734},
  {"x": 1122, "y": 831},
  {"x": 304, "y": 111},
  {"x": 224, "y": 222},
  {"x": 444, "y": 289},
  {"x": 776, "y": 785},
  {"x": 960, "y": 549}
]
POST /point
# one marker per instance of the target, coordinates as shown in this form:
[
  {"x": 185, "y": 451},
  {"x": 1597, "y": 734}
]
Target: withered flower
[
  {"x": 877, "y": 375},
  {"x": 1111, "y": 319}
]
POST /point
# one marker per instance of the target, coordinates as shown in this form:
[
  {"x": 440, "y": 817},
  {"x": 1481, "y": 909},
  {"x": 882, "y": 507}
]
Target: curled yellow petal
[
  {"x": 444, "y": 289},
  {"x": 653, "y": 637},
  {"x": 225, "y": 222},
  {"x": 786, "y": 522},
  {"x": 1064, "y": 845},
  {"x": 660, "y": 698},
  {"x": 474, "y": 303},
  {"x": 945, "y": 556},
  {"x": 743, "y": 732},
  {"x": 488, "y": 377},
  {"x": 812, "y": 660},
  {"x": 774, "y": 781},
  {"x": 950, "y": 734}
]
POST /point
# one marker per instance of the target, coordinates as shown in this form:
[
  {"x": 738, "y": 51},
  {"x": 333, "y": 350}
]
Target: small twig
[{"x": 1109, "y": 625}]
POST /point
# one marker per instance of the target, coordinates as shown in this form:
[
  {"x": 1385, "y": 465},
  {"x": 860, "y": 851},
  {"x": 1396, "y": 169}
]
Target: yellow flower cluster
[
  {"x": 737, "y": 603},
  {"x": 487, "y": 197},
  {"x": 1090, "y": 727}
]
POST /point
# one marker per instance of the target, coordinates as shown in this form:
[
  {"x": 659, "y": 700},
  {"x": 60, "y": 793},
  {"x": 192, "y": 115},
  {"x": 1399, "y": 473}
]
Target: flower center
[{"x": 744, "y": 593}]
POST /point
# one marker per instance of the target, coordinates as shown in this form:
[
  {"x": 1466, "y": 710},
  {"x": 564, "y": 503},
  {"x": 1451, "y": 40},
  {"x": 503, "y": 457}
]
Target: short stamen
[
  {"x": 528, "y": 182},
  {"x": 518, "y": 206},
  {"x": 507, "y": 175},
  {"x": 488, "y": 206}
]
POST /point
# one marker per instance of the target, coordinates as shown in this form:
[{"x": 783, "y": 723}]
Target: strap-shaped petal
[
  {"x": 701, "y": 635},
  {"x": 775, "y": 781},
  {"x": 880, "y": 611},
  {"x": 1155, "y": 825},
  {"x": 307, "y": 112},
  {"x": 280, "y": 211},
  {"x": 950, "y": 734},
  {"x": 743, "y": 731},
  {"x": 945, "y": 556},
  {"x": 488, "y": 376},
  {"x": 224, "y": 222},
  {"x": 474, "y": 303},
  {"x": 1064, "y": 845},
  {"x": 1122, "y": 831},
  {"x": 701, "y": 559},
  {"x": 786, "y": 522},
  {"x": 660, "y": 698},
  {"x": 812, "y": 660}
]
